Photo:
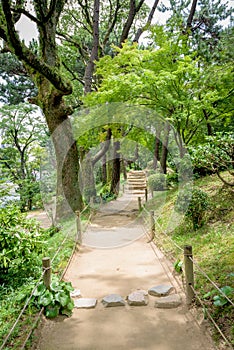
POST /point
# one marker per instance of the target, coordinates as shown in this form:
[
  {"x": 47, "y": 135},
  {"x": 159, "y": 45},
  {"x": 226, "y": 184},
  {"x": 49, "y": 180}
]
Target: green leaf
[
  {"x": 52, "y": 311},
  {"x": 62, "y": 298},
  {"x": 56, "y": 286},
  {"x": 70, "y": 305},
  {"x": 46, "y": 298},
  {"x": 219, "y": 301},
  {"x": 40, "y": 290}
]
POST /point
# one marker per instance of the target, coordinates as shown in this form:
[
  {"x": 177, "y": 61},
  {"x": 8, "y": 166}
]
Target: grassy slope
[{"x": 213, "y": 244}]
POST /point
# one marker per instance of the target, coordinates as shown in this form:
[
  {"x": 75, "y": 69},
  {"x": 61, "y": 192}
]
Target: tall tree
[
  {"x": 23, "y": 134},
  {"x": 45, "y": 69}
]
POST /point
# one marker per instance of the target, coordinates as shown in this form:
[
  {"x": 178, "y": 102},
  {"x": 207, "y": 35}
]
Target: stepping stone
[
  {"x": 113, "y": 300},
  {"x": 168, "y": 302},
  {"x": 75, "y": 293},
  {"x": 160, "y": 290},
  {"x": 138, "y": 298},
  {"x": 85, "y": 303}
]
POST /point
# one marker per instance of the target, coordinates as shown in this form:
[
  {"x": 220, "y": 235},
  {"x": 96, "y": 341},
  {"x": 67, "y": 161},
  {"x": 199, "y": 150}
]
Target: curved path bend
[{"x": 116, "y": 258}]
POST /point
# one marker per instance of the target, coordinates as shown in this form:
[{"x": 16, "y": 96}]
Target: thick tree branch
[
  {"x": 85, "y": 11},
  {"x": 27, "y": 14},
  {"x": 131, "y": 16},
  {"x": 104, "y": 148},
  {"x": 94, "y": 53},
  {"x": 112, "y": 23},
  {"x": 23, "y": 53},
  {"x": 75, "y": 77},
  {"x": 191, "y": 15},
  {"x": 224, "y": 181},
  {"x": 148, "y": 23}
]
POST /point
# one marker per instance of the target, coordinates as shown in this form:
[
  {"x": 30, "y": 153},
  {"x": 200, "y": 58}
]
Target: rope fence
[
  {"x": 189, "y": 264},
  {"x": 45, "y": 270}
]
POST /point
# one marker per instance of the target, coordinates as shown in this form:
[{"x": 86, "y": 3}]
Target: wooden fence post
[
  {"x": 189, "y": 275},
  {"x": 146, "y": 194},
  {"x": 47, "y": 272},
  {"x": 152, "y": 224},
  {"x": 78, "y": 227},
  {"x": 139, "y": 203},
  {"x": 101, "y": 199}
]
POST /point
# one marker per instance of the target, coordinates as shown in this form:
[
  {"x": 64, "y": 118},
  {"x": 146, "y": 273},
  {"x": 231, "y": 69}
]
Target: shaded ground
[{"x": 124, "y": 263}]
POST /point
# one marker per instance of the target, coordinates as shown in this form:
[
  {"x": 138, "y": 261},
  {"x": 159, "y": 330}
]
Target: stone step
[{"x": 136, "y": 177}]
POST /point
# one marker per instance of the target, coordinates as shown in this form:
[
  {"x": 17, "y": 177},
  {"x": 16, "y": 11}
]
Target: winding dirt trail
[{"x": 116, "y": 258}]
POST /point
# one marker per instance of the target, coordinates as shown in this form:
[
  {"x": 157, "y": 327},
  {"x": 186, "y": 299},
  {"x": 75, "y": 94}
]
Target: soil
[{"x": 117, "y": 257}]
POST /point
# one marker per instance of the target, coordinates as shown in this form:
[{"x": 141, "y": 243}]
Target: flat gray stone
[
  {"x": 168, "y": 302},
  {"x": 85, "y": 303},
  {"x": 160, "y": 290},
  {"x": 138, "y": 298},
  {"x": 75, "y": 293},
  {"x": 113, "y": 300}
]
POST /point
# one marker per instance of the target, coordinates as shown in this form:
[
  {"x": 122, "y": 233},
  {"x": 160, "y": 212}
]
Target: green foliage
[
  {"x": 23, "y": 136},
  {"x": 56, "y": 300},
  {"x": 172, "y": 178},
  {"x": 157, "y": 182},
  {"x": 220, "y": 300},
  {"x": 193, "y": 204},
  {"x": 106, "y": 194},
  {"x": 15, "y": 84},
  {"x": 21, "y": 240},
  {"x": 178, "y": 266},
  {"x": 216, "y": 155}
]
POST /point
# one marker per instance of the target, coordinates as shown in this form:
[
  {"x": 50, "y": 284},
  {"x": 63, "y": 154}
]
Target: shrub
[
  {"x": 194, "y": 204},
  {"x": 172, "y": 179},
  {"x": 214, "y": 156},
  {"x": 157, "y": 182},
  {"x": 56, "y": 300},
  {"x": 20, "y": 239}
]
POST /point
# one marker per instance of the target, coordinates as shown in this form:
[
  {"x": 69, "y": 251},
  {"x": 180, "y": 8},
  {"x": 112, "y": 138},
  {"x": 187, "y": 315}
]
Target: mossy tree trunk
[{"x": 44, "y": 68}]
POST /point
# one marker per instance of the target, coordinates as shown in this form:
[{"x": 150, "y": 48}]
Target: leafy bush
[
  {"x": 216, "y": 155},
  {"x": 172, "y": 178},
  {"x": 20, "y": 238},
  {"x": 157, "y": 182},
  {"x": 193, "y": 204},
  {"x": 56, "y": 300}
]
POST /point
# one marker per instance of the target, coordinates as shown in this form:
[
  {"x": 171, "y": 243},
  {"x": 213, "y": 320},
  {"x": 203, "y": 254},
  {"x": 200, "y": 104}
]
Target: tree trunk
[
  {"x": 68, "y": 195},
  {"x": 208, "y": 125},
  {"x": 44, "y": 68},
  {"x": 89, "y": 70},
  {"x": 124, "y": 169},
  {"x": 116, "y": 169},
  {"x": 89, "y": 189},
  {"x": 165, "y": 149},
  {"x": 104, "y": 172},
  {"x": 157, "y": 149}
]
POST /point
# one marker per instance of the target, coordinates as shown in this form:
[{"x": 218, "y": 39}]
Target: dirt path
[{"x": 122, "y": 263}]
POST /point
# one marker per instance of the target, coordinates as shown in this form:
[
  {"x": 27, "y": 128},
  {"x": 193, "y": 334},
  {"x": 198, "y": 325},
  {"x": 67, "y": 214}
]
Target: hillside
[{"x": 213, "y": 245}]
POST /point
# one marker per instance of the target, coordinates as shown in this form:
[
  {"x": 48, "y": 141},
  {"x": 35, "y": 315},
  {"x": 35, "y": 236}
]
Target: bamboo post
[
  {"x": 189, "y": 275},
  {"x": 47, "y": 272},
  {"x": 146, "y": 194},
  {"x": 139, "y": 203},
  {"x": 123, "y": 188},
  {"x": 78, "y": 227},
  {"x": 152, "y": 224}
]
